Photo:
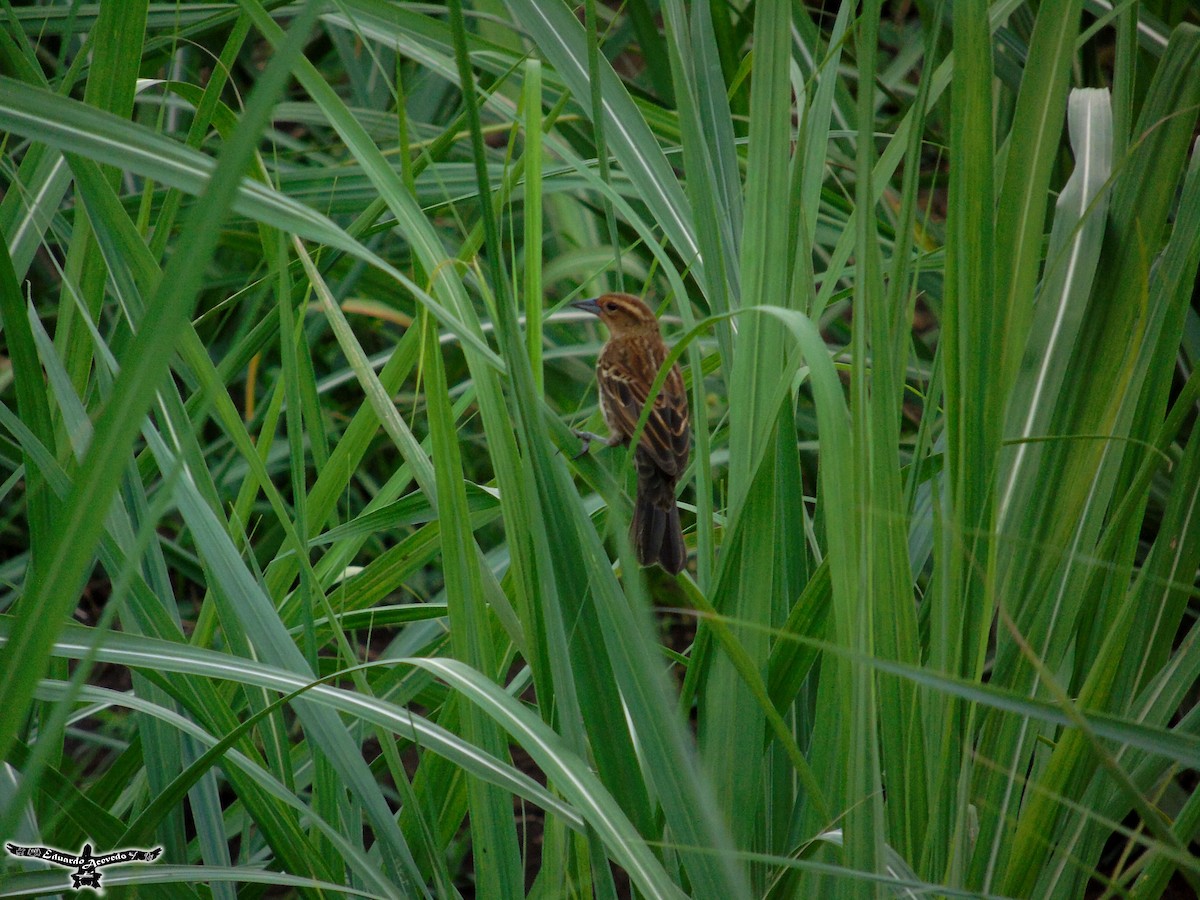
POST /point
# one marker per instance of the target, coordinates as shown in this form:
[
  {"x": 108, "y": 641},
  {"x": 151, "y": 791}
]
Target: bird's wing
[
  {"x": 109, "y": 858},
  {"x": 667, "y": 435},
  {"x": 55, "y": 856}
]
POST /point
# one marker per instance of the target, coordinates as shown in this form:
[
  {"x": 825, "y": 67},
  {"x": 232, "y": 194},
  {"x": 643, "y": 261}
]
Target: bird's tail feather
[{"x": 656, "y": 533}]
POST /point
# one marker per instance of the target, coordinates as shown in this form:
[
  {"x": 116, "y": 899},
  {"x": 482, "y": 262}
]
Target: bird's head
[{"x": 622, "y": 313}]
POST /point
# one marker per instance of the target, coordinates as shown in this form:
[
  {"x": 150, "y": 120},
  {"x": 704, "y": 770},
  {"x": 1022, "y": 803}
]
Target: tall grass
[{"x": 304, "y": 582}]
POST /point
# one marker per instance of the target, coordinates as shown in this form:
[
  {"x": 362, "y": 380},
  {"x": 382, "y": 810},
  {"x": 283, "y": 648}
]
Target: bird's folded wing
[{"x": 666, "y": 436}]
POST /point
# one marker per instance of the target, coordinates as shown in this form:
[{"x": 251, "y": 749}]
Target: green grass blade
[{"x": 71, "y": 547}]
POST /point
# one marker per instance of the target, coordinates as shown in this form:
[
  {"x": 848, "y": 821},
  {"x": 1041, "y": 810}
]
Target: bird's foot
[{"x": 587, "y": 437}]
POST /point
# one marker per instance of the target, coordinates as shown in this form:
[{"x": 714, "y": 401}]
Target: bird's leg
[{"x": 587, "y": 437}]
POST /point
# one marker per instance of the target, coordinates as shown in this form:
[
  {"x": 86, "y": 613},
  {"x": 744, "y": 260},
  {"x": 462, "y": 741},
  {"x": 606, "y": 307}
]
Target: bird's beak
[{"x": 591, "y": 305}]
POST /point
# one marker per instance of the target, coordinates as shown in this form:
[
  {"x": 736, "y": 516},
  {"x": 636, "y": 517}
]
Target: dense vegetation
[{"x": 300, "y": 578}]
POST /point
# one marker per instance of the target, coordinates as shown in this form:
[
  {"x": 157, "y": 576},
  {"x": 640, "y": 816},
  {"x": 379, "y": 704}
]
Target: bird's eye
[{"x": 611, "y": 307}]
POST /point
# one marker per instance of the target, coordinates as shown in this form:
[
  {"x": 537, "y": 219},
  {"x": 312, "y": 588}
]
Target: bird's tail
[{"x": 656, "y": 532}]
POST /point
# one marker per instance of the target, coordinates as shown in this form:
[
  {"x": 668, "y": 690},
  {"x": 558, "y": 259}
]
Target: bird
[{"x": 625, "y": 371}]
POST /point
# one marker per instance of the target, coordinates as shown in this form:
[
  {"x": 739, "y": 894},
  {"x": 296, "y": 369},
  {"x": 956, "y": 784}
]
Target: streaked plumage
[{"x": 625, "y": 371}]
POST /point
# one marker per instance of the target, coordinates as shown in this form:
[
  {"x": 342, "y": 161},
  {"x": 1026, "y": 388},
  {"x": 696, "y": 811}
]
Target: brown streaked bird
[{"x": 625, "y": 371}]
